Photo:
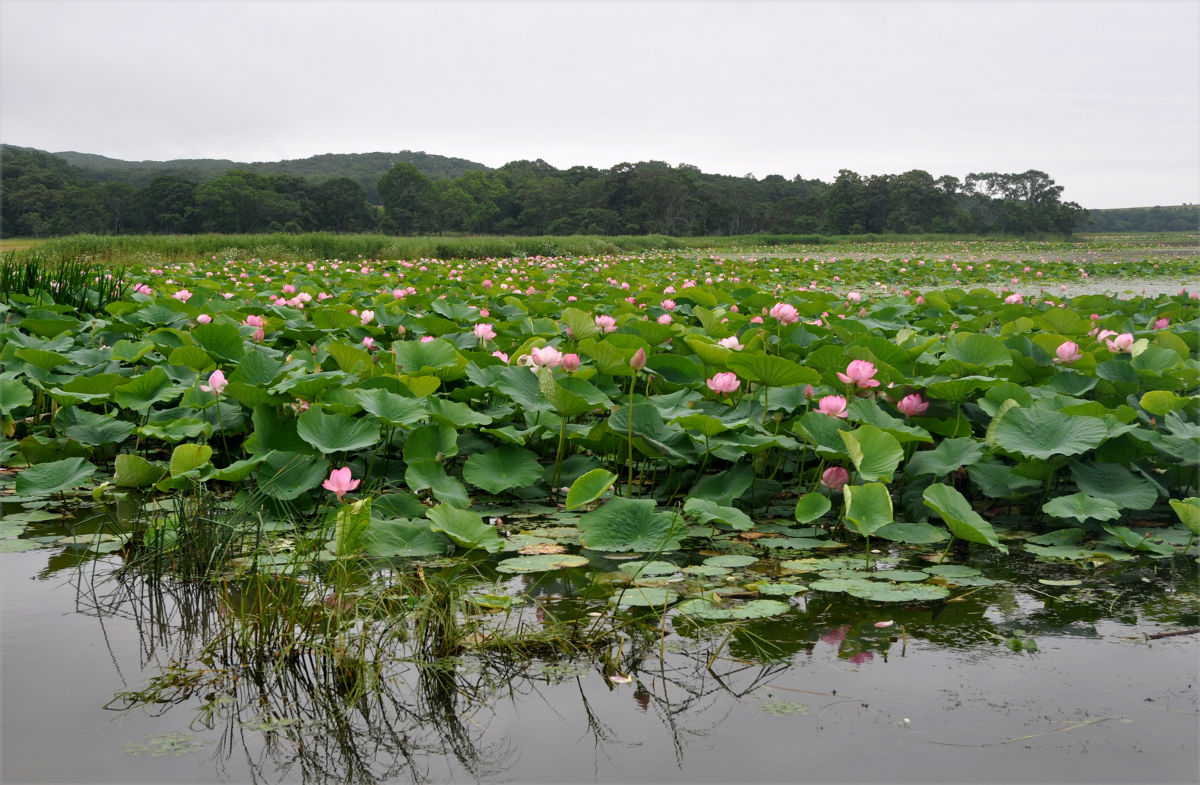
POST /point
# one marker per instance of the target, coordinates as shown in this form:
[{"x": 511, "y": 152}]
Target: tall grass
[{"x": 79, "y": 282}]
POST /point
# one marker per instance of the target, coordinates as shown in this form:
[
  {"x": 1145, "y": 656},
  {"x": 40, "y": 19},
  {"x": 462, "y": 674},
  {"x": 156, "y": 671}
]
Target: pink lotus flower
[
  {"x": 426, "y": 338},
  {"x": 259, "y": 335},
  {"x": 216, "y": 383},
  {"x": 1162, "y": 323},
  {"x": 756, "y": 320},
  {"x": 664, "y": 319},
  {"x": 785, "y": 313},
  {"x": 731, "y": 343},
  {"x": 1068, "y": 352},
  {"x": 1121, "y": 343},
  {"x": 912, "y": 405},
  {"x": 369, "y": 342},
  {"x": 484, "y": 331},
  {"x": 570, "y": 362},
  {"x": 142, "y": 288},
  {"x": 860, "y": 373},
  {"x": 366, "y": 317},
  {"x": 253, "y": 320},
  {"x": 724, "y": 383},
  {"x": 854, "y": 297},
  {"x": 638, "y": 361},
  {"x": 606, "y": 323},
  {"x": 340, "y": 482},
  {"x": 503, "y": 356},
  {"x": 835, "y": 477},
  {"x": 809, "y": 391},
  {"x": 668, "y": 305},
  {"x": 833, "y": 405},
  {"x": 1014, "y": 299},
  {"x": 546, "y": 356},
  {"x": 203, "y": 318},
  {"x": 183, "y": 295}
]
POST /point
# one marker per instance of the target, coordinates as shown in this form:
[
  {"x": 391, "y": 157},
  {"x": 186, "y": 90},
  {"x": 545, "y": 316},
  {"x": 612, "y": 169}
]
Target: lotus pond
[{"x": 880, "y": 516}]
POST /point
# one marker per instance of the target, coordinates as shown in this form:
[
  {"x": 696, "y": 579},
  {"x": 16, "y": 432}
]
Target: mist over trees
[{"x": 44, "y": 194}]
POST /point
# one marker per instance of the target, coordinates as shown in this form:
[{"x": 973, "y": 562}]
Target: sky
[{"x": 1102, "y": 96}]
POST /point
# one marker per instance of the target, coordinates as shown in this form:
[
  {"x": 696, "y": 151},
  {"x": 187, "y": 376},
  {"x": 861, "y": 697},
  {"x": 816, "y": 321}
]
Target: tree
[{"x": 408, "y": 199}]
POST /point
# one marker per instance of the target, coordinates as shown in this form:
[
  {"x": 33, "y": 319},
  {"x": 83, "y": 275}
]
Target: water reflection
[{"x": 304, "y": 680}]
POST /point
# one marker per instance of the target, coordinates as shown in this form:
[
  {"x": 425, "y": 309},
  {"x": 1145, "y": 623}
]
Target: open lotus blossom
[
  {"x": 731, "y": 343},
  {"x": 638, "y": 361},
  {"x": 859, "y": 373},
  {"x": 369, "y": 342},
  {"x": 570, "y": 362},
  {"x": 835, "y": 477},
  {"x": 724, "y": 383},
  {"x": 833, "y": 405},
  {"x": 668, "y": 305},
  {"x": 502, "y": 355},
  {"x": 606, "y": 323},
  {"x": 1121, "y": 343},
  {"x": 785, "y": 313},
  {"x": 546, "y": 356},
  {"x": 340, "y": 482},
  {"x": 142, "y": 288},
  {"x": 259, "y": 335},
  {"x": 664, "y": 319},
  {"x": 484, "y": 331},
  {"x": 253, "y": 320},
  {"x": 912, "y": 405},
  {"x": 1014, "y": 299},
  {"x": 183, "y": 295},
  {"x": 366, "y": 317},
  {"x": 1161, "y": 323},
  {"x": 216, "y": 383},
  {"x": 1067, "y": 352}
]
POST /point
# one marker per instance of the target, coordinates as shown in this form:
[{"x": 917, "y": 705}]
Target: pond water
[{"x": 1047, "y": 675}]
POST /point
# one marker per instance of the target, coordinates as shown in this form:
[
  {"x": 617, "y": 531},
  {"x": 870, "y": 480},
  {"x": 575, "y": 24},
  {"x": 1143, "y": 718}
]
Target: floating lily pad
[
  {"x": 701, "y": 608},
  {"x": 542, "y": 563},
  {"x": 705, "y": 570},
  {"x": 898, "y": 592},
  {"x": 953, "y": 570},
  {"x": 637, "y": 568},
  {"x": 645, "y": 596},
  {"x": 900, "y": 576},
  {"x": 779, "y": 589},
  {"x": 732, "y": 560}
]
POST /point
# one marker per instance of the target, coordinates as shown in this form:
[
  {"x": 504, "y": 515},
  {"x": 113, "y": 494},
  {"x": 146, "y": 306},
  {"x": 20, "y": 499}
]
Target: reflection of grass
[
  {"x": 782, "y": 708},
  {"x": 176, "y": 744}
]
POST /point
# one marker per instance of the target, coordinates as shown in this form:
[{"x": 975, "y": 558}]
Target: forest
[{"x": 45, "y": 194}]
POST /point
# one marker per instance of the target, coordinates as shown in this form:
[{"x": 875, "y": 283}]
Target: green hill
[{"x": 363, "y": 168}]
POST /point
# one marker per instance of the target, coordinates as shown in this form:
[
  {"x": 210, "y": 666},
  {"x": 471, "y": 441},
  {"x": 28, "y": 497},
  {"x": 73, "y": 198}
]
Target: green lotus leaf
[
  {"x": 192, "y": 357},
  {"x": 467, "y": 529},
  {"x": 1114, "y": 482},
  {"x": 431, "y": 474},
  {"x": 875, "y": 453},
  {"x": 1188, "y": 511},
  {"x": 868, "y": 507},
  {"x": 502, "y": 469},
  {"x": 898, "y": 592},
  {"x": 392, "y": 409},
  {"x": 1043, "y": 433},
  {"x": 1082, "y": 507},
  {"x": 223, "y": 341},
  {"x": 589, "y": 487},
  {"x": 771, "y": 370},
  {"x": 707, "y": 511},
  {"x": 134, "y": 471},
  {"x": 142, "y": 392},
  {"x": 731, "y": 561},
  {"x": 285, "y": 475},
  {"x": 812, "y": 506},
  {"x": 402, "y": 537},
  {"x": 911, "y": 532},
  {"x": 642, "y": 568},
  {"x": 644, "y": 597},
  {"x": 542, "y": 563},
  {"x": 1162, "y": 402},
  {"x": 949, "y": 455},
  {"x": 44, "y": 479},
  {"x": 330, "y": 432},
  {"x": 13, "y": 395},
  {"x": 188, "y": 459},
  {"x": 631, "y": 525},
  {"x": 960, "y": 518},
  {"x": 978, "y": 349},
  {"x": 91, "y": 428},
  {"x": 707, "y": 610}
]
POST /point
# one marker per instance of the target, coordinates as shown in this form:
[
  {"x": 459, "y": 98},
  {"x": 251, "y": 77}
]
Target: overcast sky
[{"x": 1103, "y": 96}]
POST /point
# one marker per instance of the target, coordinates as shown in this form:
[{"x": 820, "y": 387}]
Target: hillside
[{"x": 363, "y": 168}]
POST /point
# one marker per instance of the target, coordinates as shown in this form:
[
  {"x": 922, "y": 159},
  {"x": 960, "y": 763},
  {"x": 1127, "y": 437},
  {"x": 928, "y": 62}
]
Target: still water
[{"x": 821, "y": 694}]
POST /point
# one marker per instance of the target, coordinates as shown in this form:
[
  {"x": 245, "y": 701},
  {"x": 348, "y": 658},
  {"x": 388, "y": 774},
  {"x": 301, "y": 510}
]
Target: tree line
[{"x": 44, "y": 195}]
